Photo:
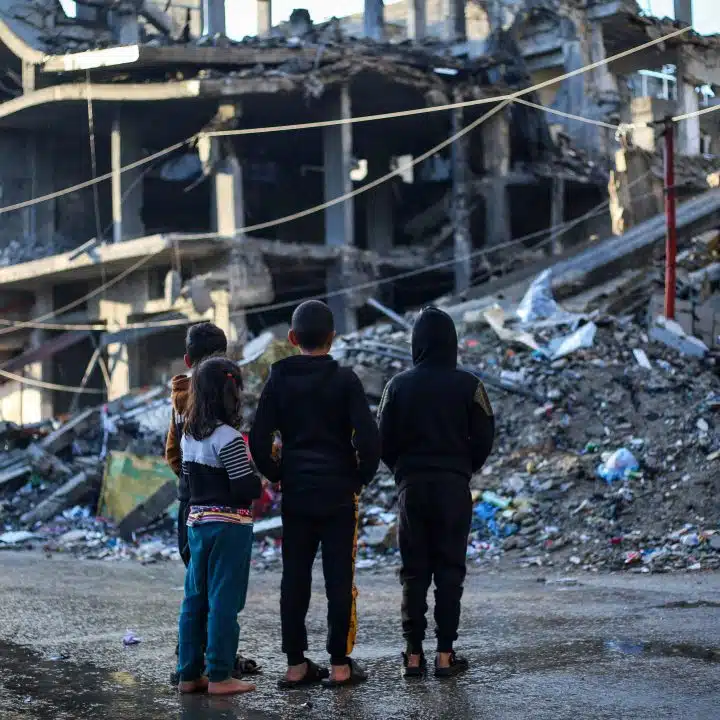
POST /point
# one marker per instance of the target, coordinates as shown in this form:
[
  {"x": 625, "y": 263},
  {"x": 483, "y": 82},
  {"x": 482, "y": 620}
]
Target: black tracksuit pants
[
  {"x": 336, "y": 532},
  {"x": 435, "y": 518}
]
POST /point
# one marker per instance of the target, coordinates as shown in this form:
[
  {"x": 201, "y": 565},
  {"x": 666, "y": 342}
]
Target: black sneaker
[
  {"x": 414, "y": 672},
  {"x": 457, "y": 665}
]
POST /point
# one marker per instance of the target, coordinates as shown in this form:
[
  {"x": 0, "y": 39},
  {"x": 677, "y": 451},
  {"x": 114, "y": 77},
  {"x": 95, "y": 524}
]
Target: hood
[
  {"x": 180, "y": 385},
  {"x": 434, "y": 339},
  {"x": 306, "y": 372}
]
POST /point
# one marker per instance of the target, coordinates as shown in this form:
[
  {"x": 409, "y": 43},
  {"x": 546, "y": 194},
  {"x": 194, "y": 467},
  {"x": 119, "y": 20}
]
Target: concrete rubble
[{"x": 607, "y": 452}]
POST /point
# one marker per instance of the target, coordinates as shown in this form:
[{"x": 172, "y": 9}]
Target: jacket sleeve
[
  {"x": 244, "y": 481},
  {"x": 365, "y": 437},
  {"x": 172, "y": 449},
  {"x": 263, "y": 431},
  {"x": 482, "y": 427},
  {"x": 388, "y": 428}
]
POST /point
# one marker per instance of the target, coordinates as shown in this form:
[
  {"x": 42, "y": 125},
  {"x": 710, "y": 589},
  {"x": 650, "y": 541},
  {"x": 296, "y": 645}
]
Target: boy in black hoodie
[
  {"x": 436, "y": 429},
  {"x": 330, "y": 449}
]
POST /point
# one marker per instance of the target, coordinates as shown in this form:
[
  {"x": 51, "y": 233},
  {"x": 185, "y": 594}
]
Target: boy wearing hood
[
  {"x": 202, "y": 341},
  {"x": 330, "y": 449},
  {"x": 436, "y": 430}
]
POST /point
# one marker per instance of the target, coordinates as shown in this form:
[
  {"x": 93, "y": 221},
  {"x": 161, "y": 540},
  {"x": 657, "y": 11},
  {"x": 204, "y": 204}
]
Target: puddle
[
  {"x": 688, "y": 605},
  {"x": 662, "y": 649},
  {"x": 56, "y": 689}
]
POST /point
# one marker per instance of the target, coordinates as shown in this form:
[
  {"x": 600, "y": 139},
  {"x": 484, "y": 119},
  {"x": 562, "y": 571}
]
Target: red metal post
[{"x": 670, "y": 219}]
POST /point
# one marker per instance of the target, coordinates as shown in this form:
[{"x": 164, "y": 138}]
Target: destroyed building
[{"x": 226, "y": 223}]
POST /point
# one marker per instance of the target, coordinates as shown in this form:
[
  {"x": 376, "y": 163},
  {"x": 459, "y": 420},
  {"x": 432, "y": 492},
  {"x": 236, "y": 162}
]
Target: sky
[{"x": 241, "y": 13}]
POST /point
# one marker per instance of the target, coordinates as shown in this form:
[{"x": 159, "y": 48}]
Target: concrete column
[
  {"x": 417, "y": 19},
  {"x": 41, "y": 158},
  {"x": 29, "y": 76},
  {"x": 232, "y": 322},
  {"x": 374, "y": 20},
  {"x": 496, "y": 160},
  {"x": 683, "y": 11},
  {"x": 455, "y": 23},
  {"x": 228, "y": 211},
  {"x": 264, "y": 17},
  {"x": 37, "y": 403},
  {"x": 339, "y": 218},
  {"x": 126, "y": 187},
  {"x": 228, "y": 208},
  {"x": 125, "y": 23},
  {"x": 688, "y": 130},
  {"x": 213, "y": 12},
  {"x": 557, "y": 214},
  {"x": 115, "y": 308},
  {"x": 460, "y": 174},
  {"x": 379, "y": 218}
]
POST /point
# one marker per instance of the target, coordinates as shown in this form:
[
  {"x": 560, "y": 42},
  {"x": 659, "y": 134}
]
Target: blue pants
[{"x": 215, "y": 590}]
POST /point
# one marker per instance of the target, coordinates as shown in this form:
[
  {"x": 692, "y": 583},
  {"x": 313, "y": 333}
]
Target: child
[
  {"x": 222, "y": 485},
  {"x": 203, "y": 340},
  {"x": 436, "y": 430},
  {"x": 330, "y": 449}
]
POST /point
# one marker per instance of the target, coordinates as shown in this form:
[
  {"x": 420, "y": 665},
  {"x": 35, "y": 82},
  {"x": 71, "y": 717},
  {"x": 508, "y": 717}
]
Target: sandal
[
  {"x": 313, "y": 674},
  {"x": 245, "y": 666},
  {"x": 414, "y": 672},
  {"x": 357, "y": 676},
  {"x": 457, "y": 665}
]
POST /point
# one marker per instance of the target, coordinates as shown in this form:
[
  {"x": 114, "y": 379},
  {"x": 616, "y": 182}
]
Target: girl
[{"x": 223, "y": 485}]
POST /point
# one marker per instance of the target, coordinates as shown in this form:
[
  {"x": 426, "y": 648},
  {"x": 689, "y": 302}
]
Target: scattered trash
[
  {"x": 642, "y": 358},
  {"x": 583, "y": 337},
  {"x": 671, "y": 334},
  {"x": 618, "y": 466},
  {"x": 16, "y": 537},
  {"x": 626, "y": 647},
  {"x": 131, "y": 638}
]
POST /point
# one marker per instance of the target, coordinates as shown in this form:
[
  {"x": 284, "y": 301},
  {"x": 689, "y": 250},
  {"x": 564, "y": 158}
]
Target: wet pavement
[{"x": 620, "y": 646}]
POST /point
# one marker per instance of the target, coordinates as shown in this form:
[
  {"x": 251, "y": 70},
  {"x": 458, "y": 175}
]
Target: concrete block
[{"x": 670, "y": 333}]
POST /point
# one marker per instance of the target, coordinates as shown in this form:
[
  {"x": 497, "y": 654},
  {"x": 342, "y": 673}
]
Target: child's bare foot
[
  {"x": 193, "y": 686},
  {"x": 295, "y": 673},
  {"x": 340, "y": 673},
  {"x": 231, "y": 686}
]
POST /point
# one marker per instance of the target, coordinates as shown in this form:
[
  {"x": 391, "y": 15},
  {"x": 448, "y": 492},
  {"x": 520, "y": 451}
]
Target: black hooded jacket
[
  {"x": 330, "y": 443},
  {"x": 434, "y": 418}
]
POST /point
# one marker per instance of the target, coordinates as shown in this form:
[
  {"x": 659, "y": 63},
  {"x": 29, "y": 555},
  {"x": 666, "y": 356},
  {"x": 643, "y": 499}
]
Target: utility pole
[{"x": 670, "y": 220}]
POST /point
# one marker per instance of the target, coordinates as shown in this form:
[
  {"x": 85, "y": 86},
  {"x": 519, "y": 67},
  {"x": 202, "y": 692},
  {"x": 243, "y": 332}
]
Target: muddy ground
[{"x": 607, "y": 646}]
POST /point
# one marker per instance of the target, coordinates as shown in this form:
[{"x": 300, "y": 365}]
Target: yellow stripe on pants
[{"x": 352, "y": 631}]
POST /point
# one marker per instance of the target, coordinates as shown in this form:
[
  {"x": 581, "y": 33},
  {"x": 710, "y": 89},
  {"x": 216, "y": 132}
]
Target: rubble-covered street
[{"x": 541, "y": 644}]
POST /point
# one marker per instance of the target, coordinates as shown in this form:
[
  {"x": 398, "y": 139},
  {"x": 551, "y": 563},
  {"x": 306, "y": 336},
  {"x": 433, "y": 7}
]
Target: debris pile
[
  {"x": 607, "y": 453},
  {"x": 608, "y": 441},
  {"x": 58, "y": 483}
]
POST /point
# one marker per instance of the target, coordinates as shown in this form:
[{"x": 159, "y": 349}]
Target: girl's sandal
[
  {"x": 313, "y": 674},
  {"x": 357, "y": 676}
]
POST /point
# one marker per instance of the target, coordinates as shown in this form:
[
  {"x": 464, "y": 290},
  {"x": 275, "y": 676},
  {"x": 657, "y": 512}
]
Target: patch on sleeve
[{"x": 482, "y": 399}]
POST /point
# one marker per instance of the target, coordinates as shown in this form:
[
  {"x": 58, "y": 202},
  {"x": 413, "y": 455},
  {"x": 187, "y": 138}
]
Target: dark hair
[
  {"x": 313, "y": 324},
  {"x": 214, "y": 397},
  {"x": 204, "y": 340}
]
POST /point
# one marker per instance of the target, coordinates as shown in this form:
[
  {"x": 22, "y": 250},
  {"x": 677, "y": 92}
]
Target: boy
[
  {"x": 202, "y": 341},
  {"x": 330, "y": 449},
  {"x": 436, "y": 430}
]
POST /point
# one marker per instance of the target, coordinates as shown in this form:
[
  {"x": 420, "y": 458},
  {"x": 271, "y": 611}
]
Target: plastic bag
[{"x": 618, "y": 466}]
